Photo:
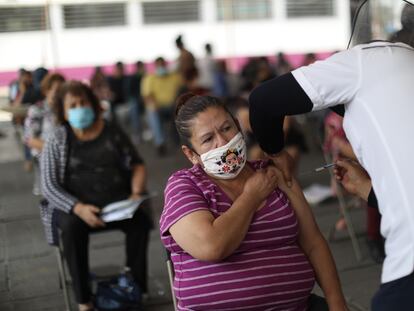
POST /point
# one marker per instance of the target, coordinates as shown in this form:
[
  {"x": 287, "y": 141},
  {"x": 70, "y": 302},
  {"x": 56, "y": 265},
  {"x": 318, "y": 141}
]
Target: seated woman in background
[
  {"x": 40, "y": 122},
  {"x": 86, "y": 164},
  {"x": 239, "y": 237}
]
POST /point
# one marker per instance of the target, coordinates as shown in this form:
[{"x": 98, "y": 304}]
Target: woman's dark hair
[
  {"x": 75, "y": 88},
  {"x": 187, "y": 107}
]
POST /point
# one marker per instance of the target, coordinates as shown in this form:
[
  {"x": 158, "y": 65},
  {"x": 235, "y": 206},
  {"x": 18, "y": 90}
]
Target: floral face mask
[{"x": 226, "y": 162}]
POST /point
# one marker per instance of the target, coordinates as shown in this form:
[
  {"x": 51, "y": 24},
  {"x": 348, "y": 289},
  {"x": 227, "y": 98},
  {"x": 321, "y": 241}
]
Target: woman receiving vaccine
[{"x": 239, "y": 237}]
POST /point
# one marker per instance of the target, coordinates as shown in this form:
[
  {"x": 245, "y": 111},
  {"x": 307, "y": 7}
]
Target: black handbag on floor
[{"x": 120, "y": 294}]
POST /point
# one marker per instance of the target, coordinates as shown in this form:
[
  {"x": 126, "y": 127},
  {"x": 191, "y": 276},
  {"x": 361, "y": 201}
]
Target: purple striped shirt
[{"x": 268, "y": 271}]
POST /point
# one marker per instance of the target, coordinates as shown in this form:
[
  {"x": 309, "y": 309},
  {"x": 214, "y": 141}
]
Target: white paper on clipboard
[{"x": 124, "y": 209}]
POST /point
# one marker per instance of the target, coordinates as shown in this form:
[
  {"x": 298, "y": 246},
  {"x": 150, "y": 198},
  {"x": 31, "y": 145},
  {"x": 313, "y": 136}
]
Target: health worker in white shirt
[{"x": 372, "y": 85}]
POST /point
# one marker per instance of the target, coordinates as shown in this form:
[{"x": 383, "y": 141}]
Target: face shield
[{"x": 386, "y": 20}]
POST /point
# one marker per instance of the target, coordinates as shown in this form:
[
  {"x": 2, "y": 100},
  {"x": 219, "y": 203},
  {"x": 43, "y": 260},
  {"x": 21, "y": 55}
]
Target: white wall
[{"x": 93, "y": 46}]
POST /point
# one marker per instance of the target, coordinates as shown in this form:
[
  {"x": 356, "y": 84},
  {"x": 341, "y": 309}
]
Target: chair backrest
[{"x": 170, "y": 270}]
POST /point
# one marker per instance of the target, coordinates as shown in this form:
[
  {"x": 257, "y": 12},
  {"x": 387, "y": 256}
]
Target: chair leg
[
  {"x": 63, "y": 278},
  {"x": 171, "y": 277}
]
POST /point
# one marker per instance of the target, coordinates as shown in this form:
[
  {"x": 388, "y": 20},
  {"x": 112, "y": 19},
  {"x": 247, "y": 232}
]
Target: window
[
  {"x": 94, "y": 15},
  {"x": 308, "y": 8},
  {"x": 160, "y": 12},
  {"x": 243, "y": 9},
  {"x": 29, "y": 18}
]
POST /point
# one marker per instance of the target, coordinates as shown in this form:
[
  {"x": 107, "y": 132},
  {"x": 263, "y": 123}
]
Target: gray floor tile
[{"x": 34, "y": 277}]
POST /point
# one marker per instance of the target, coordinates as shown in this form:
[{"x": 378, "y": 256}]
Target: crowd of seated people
[{"x": 232, "y": 225}]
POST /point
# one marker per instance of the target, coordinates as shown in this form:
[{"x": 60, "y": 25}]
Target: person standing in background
[
  {"x": 207, "y": 68},
  {"x": 186, "y": 60},
  {"x": 100, "y": 86},
  {"x": 159, "y": 91},
  {"x": 22, "y": 95},
  {"x": 118, "y": 84},
  {"x": 136, "y": 103},
  {"x": 221, "y": 85}
]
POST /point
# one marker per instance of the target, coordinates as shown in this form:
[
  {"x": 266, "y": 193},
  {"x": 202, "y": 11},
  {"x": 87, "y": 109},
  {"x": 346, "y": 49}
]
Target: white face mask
[{"x": 226, "y": 162}]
